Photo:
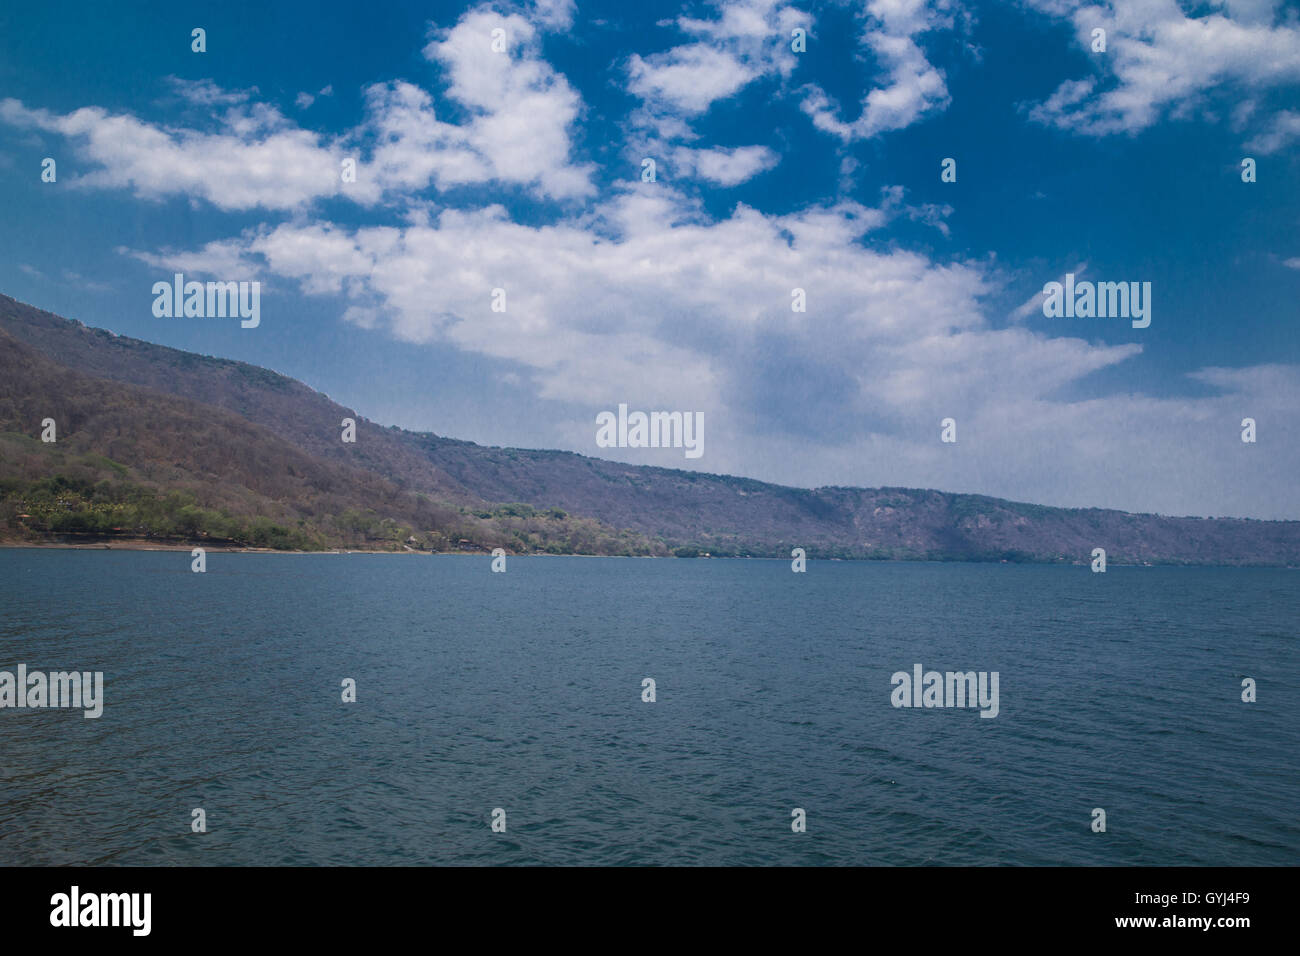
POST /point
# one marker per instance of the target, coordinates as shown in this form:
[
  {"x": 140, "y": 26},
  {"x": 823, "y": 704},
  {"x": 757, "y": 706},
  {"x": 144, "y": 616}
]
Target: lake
[{"x": 523, "y": 691}]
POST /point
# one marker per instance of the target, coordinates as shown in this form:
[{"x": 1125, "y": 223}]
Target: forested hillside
[{"x": 168, "y": 444}]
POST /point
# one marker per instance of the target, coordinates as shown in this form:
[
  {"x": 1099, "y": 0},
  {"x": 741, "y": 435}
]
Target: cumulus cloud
[
  {"x": 651, "y": 302},
  {"x": 688, "y": 78},
  {"x": 255, "y": 157},
  {"x": 1161, "y": 61},
  {"x": 1131, "y": 451},
  {"x": 521, "y": 108},
  {"x": 519, "y": 112},
  {"x": 646, "y": 293},
  {"x": 744, "y": 41},
  {"x": 554, "y": 14},
  {"x": 912, "y": 87},
  {"x": 725, "y": 167}
]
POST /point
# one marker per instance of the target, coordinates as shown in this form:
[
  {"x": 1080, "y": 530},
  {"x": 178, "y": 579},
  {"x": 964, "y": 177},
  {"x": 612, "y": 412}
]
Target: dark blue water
[{"x": 523, "y": 691}]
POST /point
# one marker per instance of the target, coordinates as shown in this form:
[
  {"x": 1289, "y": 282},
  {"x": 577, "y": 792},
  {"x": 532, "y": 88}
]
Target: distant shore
[{"x": 142, "y": 544}]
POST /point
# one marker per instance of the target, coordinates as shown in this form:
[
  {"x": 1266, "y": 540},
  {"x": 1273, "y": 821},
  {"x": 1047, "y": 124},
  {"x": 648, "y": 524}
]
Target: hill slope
[
  {"x": 658, "y": 508},
  {"x": 133, "y": 462}
]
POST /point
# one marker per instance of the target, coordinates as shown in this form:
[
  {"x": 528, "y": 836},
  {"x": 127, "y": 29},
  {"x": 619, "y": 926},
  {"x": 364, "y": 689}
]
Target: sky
[{"x": 795, "y": 146}]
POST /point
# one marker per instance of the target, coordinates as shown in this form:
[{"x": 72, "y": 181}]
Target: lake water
[{"x": 523, "y": 691}]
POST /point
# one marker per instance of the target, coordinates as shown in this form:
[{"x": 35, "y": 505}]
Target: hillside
[
  {"x": 132, "y": 462},
  {"x": 304, "y": 473}
]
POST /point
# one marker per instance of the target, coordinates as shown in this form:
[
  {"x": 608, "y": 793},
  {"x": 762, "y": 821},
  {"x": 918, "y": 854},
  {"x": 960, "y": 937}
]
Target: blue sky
[{"x": 776, "y": 170}]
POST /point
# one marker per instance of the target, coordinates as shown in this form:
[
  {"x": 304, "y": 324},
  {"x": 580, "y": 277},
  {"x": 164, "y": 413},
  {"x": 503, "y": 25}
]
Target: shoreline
[
  {"x": 143, "y": 545},
  {"x": 139, "y": 544}
]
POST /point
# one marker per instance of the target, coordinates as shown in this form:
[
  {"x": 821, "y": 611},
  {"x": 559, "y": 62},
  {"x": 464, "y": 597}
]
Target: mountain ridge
[{"x": 649, "y": 509}]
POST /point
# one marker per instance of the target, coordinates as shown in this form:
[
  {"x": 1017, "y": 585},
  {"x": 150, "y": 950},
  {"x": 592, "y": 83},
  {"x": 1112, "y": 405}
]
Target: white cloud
[
  {"x": 554, "y": 14},
  {"x": 207, "y": 93},
  {"x": 1284, "y": 129},
  {"x": 726, "y": 167},
  {"x": 1135, "y": 452},
  {"x": 688, "y": 78},
  {"x": 254, "y": 157},
  {"x": 746, "y": 39},
  {"x": 1161, "y": 62},
  {"x": 652, "y": 303},
  {"x": 648, "y": 301},
  {"x": 522, "y": 108},
  {"x": 913, "y": 87},
  {"x": 221, "y": 259},
  {"x": 412, "y": 148},
  {"x": 612, "y": 303}
]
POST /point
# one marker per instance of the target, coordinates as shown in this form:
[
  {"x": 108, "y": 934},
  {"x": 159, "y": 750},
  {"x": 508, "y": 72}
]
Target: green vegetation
[
  {"x": 50, "y": 490},
  {"x": 73, "y": 506}
]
